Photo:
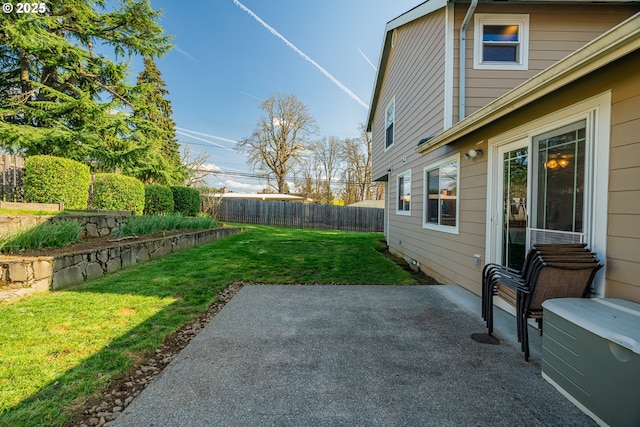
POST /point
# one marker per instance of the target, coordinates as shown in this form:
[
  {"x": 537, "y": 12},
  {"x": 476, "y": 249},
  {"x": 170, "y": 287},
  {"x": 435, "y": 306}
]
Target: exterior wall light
[{"x": 472, "y": 154}]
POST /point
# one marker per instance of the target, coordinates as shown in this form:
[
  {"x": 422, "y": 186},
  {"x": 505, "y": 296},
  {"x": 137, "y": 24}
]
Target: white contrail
[
  {"x": 301, "y": 53},
  {"x": 204, "y": 140},
  {"x": 365, "y": 57},
  {"x": 251, "y": 96},
  {"x": 185, "y": 53},
  {"x": 207, "y": 135}
]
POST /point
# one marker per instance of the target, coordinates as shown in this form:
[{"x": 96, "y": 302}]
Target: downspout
[{"x": 462, "y": 101}]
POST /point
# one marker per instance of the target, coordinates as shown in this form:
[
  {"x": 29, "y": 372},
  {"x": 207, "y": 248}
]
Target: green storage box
[{"x": 591, "y": 354}]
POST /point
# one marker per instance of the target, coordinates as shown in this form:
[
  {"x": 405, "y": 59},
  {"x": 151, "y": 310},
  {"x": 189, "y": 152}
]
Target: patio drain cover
[{"x": 485, "y": 339}]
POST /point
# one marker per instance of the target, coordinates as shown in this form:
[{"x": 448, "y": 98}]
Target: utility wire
[{"x": 294, "y": 179}]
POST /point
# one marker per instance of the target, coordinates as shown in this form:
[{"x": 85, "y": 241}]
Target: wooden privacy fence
[
  {"x": 12, "y": 168},
  {"x": 300, "y": 215}
]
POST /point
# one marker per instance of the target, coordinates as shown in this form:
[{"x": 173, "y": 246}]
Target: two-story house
[{"x": 499, "y": 124}]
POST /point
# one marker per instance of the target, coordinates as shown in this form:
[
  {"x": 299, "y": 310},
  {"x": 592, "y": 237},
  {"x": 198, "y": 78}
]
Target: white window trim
[
  {"x": 597, "y": 111},
  {"x": 521, "y": 20},
  {"x": 400, "y": 175},
  {"x": 393, "y": 101},
  {"x": 425, "y": 197}
]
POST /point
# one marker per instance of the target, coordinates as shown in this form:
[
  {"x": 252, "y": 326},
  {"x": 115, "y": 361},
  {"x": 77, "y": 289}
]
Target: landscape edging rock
[{"x": 43, "y": 273}]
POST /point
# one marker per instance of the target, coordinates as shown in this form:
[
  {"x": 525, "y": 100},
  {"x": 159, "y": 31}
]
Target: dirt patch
[{"x": 419, "y": 275}]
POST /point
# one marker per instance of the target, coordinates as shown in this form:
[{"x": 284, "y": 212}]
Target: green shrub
[
  {"x": 158, "y": 199},
  {"x": 50, "y": 179},
  {"x": 116, "y": 192},
  {"x": 186, "y": 201}
]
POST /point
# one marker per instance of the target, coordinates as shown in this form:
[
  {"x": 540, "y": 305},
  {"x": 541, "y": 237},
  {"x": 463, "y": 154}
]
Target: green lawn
[{"x": 57, "y": 349}]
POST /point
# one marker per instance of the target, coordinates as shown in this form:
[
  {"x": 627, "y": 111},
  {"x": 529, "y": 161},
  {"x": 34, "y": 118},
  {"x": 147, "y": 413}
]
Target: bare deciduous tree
[
  {"x": 356, "y": 175},
  {"x": 318, "y": 168},
  {"x": 279, "y": 137},
  {"x": 194, "y": 167}
]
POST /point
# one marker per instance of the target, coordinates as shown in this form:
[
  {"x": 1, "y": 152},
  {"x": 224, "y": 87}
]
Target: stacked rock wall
[
  {"x": 92, "y": 225},
  {"x": 56, "y": 272}
]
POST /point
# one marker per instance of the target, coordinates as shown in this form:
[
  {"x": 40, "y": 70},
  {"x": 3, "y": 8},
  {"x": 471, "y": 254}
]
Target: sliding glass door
[
  {"x": 559, "y": 186},
  {"x": 514, "y": 178},
  {"x": 541, "y": 189}
]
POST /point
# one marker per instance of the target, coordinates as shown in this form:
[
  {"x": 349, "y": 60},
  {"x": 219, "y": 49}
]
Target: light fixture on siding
[{"x": 472, "y": 154}]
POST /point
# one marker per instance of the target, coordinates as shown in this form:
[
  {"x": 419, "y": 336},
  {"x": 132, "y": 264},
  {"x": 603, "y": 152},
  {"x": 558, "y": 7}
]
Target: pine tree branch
[{"x": 95, "y": 79}]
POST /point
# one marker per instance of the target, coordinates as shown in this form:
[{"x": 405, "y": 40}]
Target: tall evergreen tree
[
  {"x": 162, "y": 164},
  {"x": 60, "y": 94}
]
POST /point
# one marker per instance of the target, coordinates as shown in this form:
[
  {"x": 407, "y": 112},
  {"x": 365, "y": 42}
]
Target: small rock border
[{"x": 102, "y": 410}]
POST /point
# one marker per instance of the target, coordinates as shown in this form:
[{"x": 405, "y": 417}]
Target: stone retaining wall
[
  {"x": 92, "y": 225},
  {"x": 55, "y": 272}
]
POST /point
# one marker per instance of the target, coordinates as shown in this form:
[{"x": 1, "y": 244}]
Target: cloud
[
  {"x": 211, "y": 168},
  {"x": 302, "y": 54},
  {"x": 242, "y": 187}
]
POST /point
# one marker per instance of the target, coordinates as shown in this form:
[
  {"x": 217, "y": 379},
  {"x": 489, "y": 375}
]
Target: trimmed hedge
[
  {"x": 50, "y": 179},
  {"x": 158, "y": 199},
  {"x": 115, "y": 192},
  {"x": 186, "y": 201}
]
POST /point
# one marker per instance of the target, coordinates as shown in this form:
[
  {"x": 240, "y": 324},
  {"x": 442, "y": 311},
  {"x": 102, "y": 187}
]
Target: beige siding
[
  {"x": 445, "y": 256},
  {"x": 623, "y": 243},
  {"x": 415, "y": 67},
  {"x": 449, "y": 257},
  {"x": 414, "y": 76},
  {"x": 554, "y": 33}
]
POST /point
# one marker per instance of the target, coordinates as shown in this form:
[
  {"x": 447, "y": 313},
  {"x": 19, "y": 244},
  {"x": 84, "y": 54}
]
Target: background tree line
[{"x": 283, "y": 148}]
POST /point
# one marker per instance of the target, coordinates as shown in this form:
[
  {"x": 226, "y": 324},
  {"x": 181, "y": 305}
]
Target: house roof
[
  {"x": 266, "y": 196},
  {"x": 369, "y": 204},
  {"x": 424, "y": 9},
  {"x": 610, "y": 46}
]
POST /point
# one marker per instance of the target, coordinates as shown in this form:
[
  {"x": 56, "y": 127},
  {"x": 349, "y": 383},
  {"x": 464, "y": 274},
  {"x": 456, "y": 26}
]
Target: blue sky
[{"x": 225, "y": 63}]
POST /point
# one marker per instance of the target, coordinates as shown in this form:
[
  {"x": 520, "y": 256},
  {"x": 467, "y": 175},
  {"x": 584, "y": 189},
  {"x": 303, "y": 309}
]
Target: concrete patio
[{"x": 352, "y": 355}]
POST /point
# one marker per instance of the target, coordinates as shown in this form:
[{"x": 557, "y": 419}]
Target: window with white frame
[
  {"x": 442, "y": 180},
  {"x": 501, "y": 42},
  {"x": 404, "y": 193},
  {"x": 390, "y": 123}
]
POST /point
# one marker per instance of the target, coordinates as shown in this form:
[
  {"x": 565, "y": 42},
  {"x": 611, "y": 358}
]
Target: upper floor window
[
  {"x": 390, "y": 122},
  {"x": 404, "y": 193},
  {"x": 501, "y": 42},
  {"x": 442, "y": 181}
]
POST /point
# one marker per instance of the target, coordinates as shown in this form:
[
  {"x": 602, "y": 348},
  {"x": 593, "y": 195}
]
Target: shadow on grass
[
  {"x": 181, "y": 286},
  {"x": 57, "y": 402},
  {"x": 176, "y": 287}
]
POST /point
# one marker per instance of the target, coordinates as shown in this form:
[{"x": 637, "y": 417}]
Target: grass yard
[{"x": 58, "y": 349}]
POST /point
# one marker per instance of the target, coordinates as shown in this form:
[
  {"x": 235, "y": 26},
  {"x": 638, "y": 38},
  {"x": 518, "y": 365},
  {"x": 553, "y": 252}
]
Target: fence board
[
  {"x": 12, "y": 169},
  {"x": 301, "y": 215}
]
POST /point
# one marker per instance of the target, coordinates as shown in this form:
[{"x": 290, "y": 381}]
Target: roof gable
[
  {"x": 610, "y": 46},
  {"x": 429, "y": 7}
]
